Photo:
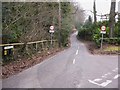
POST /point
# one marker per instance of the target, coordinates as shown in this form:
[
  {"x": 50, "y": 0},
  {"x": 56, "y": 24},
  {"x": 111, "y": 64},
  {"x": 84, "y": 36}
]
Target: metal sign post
[
  {"x": 103, "y": 31},
  {"x": 8, "y": 52},
  {"x": 101, "y": 42},
  {"x": 51, "y": 38}
]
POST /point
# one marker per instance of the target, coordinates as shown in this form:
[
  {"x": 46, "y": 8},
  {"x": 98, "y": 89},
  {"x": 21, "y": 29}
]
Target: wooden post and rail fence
[{"x": 15, "y": 49}]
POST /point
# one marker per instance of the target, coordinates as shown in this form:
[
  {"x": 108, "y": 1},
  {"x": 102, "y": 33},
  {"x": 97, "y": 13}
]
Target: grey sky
[{"x": 102, "y": 6}]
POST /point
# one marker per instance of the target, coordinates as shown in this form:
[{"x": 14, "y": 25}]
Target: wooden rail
[
  {"x": 15, "y": 44},
  {"x": 45, "y": 45},
  {"x": 109, "y": 38}
]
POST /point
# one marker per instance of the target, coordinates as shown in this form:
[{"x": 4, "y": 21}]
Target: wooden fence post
[
  {"x": 42, "y": 46},
  {"x": 26, "y": 47},
  {"x": 36, "y": 47}
]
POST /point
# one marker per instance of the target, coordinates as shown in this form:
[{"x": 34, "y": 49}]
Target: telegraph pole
[
  {"x": 119, "y": 10},
  {"x": 94, "y": 10},
  {"x": 59, "y": 24},
  {"x": 119, "y": 16}
]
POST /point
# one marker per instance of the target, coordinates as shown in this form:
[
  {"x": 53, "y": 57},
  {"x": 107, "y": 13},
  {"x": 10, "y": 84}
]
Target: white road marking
[
  {"x": 78, "y": 86},
  {"x": 77, "y": 52},
  {"x": 103, "y": 76},
  {"x": 102, "y": 84},
  {"x": 113, "y": 70},
  {"x": 74, "y": 61},
  {"x": 109, "y": 73},
  {"x": 116, "y": 76},
  {"x": 116, "y": 69},
  {"x": 106, "y": 83},
  {"x": 95, "y": 80}
]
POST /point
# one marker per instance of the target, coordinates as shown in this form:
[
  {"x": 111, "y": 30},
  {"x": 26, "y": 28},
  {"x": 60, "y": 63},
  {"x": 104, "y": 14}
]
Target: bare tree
[{"x": 78, "y": 14}]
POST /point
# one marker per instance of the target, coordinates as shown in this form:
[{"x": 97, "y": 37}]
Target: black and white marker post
[
  {"x": 103, "y": 31},
  {"x": 51, "y": 33}
]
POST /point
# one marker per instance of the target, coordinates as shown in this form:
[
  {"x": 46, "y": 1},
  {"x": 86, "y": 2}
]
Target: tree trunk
[{"x": 112, "y": 18}]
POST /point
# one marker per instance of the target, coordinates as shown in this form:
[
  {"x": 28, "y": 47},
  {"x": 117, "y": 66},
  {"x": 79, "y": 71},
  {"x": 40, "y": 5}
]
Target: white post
[
  {"x": 102, "y": 42},
  {"x": 51, "y": 39}
]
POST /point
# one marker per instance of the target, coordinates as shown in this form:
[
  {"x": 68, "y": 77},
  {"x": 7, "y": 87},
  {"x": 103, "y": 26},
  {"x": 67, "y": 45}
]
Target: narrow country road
[{"x": 71, "y": 68}]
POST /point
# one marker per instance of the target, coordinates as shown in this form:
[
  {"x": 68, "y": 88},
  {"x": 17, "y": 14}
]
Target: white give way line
[
  {"x": 102, "y": 84},
  {"x": 95, "y": 81},
  {"x": 115, "y": 77}
]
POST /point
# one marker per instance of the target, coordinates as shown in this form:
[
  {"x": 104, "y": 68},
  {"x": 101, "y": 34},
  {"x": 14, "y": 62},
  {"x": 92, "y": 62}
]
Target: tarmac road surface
[{"x": 72, "y": 68}]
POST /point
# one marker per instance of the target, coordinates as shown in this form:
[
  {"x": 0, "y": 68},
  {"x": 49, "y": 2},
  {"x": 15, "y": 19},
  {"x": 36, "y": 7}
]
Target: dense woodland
[
  {"x": 27, "y": 21},
  {"x": 24, "y": 22}
]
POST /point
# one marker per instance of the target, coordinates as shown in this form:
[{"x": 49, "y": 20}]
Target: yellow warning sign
[{"x": 5, "y": 52}]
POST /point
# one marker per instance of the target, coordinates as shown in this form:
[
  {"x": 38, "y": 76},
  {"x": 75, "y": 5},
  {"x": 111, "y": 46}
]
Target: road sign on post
[
  {"x": 103, "y": 31},
  {"x": 51, "y": 27},
  {"x": 8, "y": 52},
  {"x": 51, "y": 32}
]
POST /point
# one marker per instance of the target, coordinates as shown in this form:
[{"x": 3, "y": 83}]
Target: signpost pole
[
  {"x": 119, "y": 11},
  {"x": 102, "y": 42},
  {"x": 103, "y": 31},
  {"x": 51, "y": 40},
  {"x": 51, "y": 35}
]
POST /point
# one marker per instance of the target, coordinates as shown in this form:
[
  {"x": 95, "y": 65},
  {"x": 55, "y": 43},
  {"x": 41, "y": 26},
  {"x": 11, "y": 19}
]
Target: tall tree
[
  {"x": 30, "y": 21},
  {"x": 78, "y": 15},
  {"x": 112, "y": 18},
  {"x": 88, "y": 22}
]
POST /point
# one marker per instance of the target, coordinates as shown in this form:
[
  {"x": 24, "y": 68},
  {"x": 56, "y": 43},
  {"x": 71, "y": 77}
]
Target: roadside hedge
[{"x": 92, "y": 32}]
